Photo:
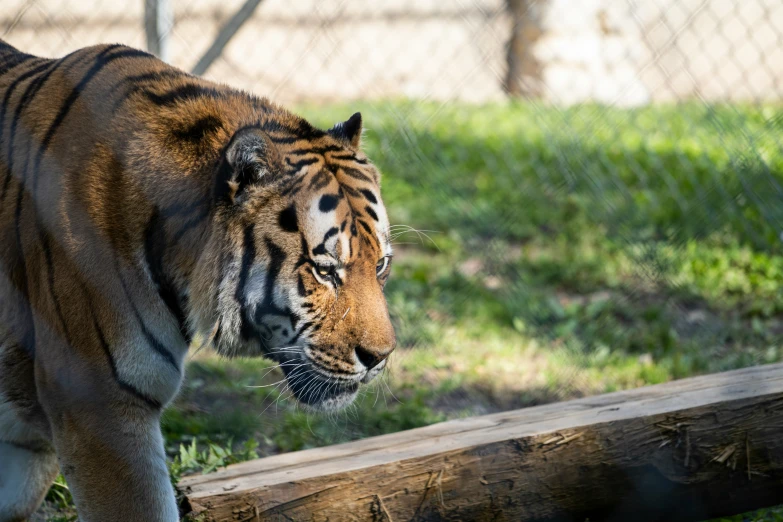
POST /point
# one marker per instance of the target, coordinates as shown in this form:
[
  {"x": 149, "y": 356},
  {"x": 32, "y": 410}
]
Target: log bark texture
[{"x": 687, "y": 450}]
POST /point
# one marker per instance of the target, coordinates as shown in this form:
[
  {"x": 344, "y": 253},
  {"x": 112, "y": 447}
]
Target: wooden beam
[
  {"x": 225, "y": 35},
  {"x": 687, "y": 450}
]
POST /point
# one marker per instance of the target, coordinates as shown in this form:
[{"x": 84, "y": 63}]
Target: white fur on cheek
[
  {"x": 382, "y": 229},
  {"x": 228, "y": 308},
  {"x": 345, "y": 246}
]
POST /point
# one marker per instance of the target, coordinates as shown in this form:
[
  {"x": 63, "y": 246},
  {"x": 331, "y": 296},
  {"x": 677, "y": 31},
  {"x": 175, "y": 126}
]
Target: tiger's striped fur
[{"x": 139, "y": 207}]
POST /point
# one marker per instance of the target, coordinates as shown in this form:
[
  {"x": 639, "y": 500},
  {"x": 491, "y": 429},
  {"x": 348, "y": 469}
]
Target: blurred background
[{"x": 586, "y": 195}]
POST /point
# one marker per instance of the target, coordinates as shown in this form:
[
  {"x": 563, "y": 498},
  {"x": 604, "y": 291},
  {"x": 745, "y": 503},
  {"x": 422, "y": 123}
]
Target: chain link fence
[
  {"x": 602, "y": 179},
  {"x": 558, "y": 51}
]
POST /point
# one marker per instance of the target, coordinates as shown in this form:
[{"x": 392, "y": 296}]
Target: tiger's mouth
[{"x": 318, "y": 392}]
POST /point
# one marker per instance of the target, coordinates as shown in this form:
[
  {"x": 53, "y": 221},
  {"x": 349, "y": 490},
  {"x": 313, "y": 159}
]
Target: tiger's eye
[{"x": 380, "y": 266}]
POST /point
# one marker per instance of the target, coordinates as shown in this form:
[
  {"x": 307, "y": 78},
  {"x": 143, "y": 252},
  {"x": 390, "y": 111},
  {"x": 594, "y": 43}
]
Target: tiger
[{"x": 142, "y": 207}]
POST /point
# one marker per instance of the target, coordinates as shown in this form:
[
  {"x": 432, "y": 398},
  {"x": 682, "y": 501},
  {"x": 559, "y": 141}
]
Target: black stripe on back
[
  {"x": 101, "y": 61},
  {"x": 137, "y": 83},
  {"x": 183, "y": 93},
  {"x": 149, "y": 76},
  {"x": 7, "y": 47},
  {"x": 14, "y": 60},
  {"x": 43, "y": 235},
  {"x": 26, "y": 95},
  {"x": 199, "y": 129}
]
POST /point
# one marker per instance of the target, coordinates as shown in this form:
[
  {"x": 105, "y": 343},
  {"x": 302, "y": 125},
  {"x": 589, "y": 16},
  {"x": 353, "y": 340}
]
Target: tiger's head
[{"x": 298, "y": 270}]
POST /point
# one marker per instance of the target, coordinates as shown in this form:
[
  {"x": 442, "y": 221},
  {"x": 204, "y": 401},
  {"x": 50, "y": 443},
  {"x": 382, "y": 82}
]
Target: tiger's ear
[
  {"x": 350, "y": 130},
  {"x": 250, "y": 158}
]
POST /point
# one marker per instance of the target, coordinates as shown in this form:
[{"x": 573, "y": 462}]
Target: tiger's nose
[{"x": 371, "y": 358}]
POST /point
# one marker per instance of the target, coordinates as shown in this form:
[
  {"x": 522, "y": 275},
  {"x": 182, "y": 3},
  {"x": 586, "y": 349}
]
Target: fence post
[
  {"x": 158, "y": 21},
  {"x": 523, "y": 71},
  {"x": 224, "y": 36}
]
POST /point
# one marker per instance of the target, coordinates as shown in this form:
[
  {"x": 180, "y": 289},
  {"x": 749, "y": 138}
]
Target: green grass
[{"x": 570, "y": 252}]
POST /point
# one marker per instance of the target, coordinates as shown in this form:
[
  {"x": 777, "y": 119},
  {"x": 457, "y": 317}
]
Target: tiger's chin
[
  {"x": 332, "y": 404},
  {"x": 315, "y": 392},
  {"x": 318, "y": 395}
]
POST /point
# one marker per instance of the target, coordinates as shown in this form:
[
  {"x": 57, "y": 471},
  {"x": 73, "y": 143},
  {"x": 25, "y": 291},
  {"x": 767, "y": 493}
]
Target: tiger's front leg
[{"x": 109, "y": 445}]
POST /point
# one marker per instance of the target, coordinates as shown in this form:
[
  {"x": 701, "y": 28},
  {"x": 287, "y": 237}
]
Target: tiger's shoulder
[{"x": 113, "y": 86}]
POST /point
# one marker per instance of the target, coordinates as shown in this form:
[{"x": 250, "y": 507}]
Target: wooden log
[{"x": 687, "y": 450}]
